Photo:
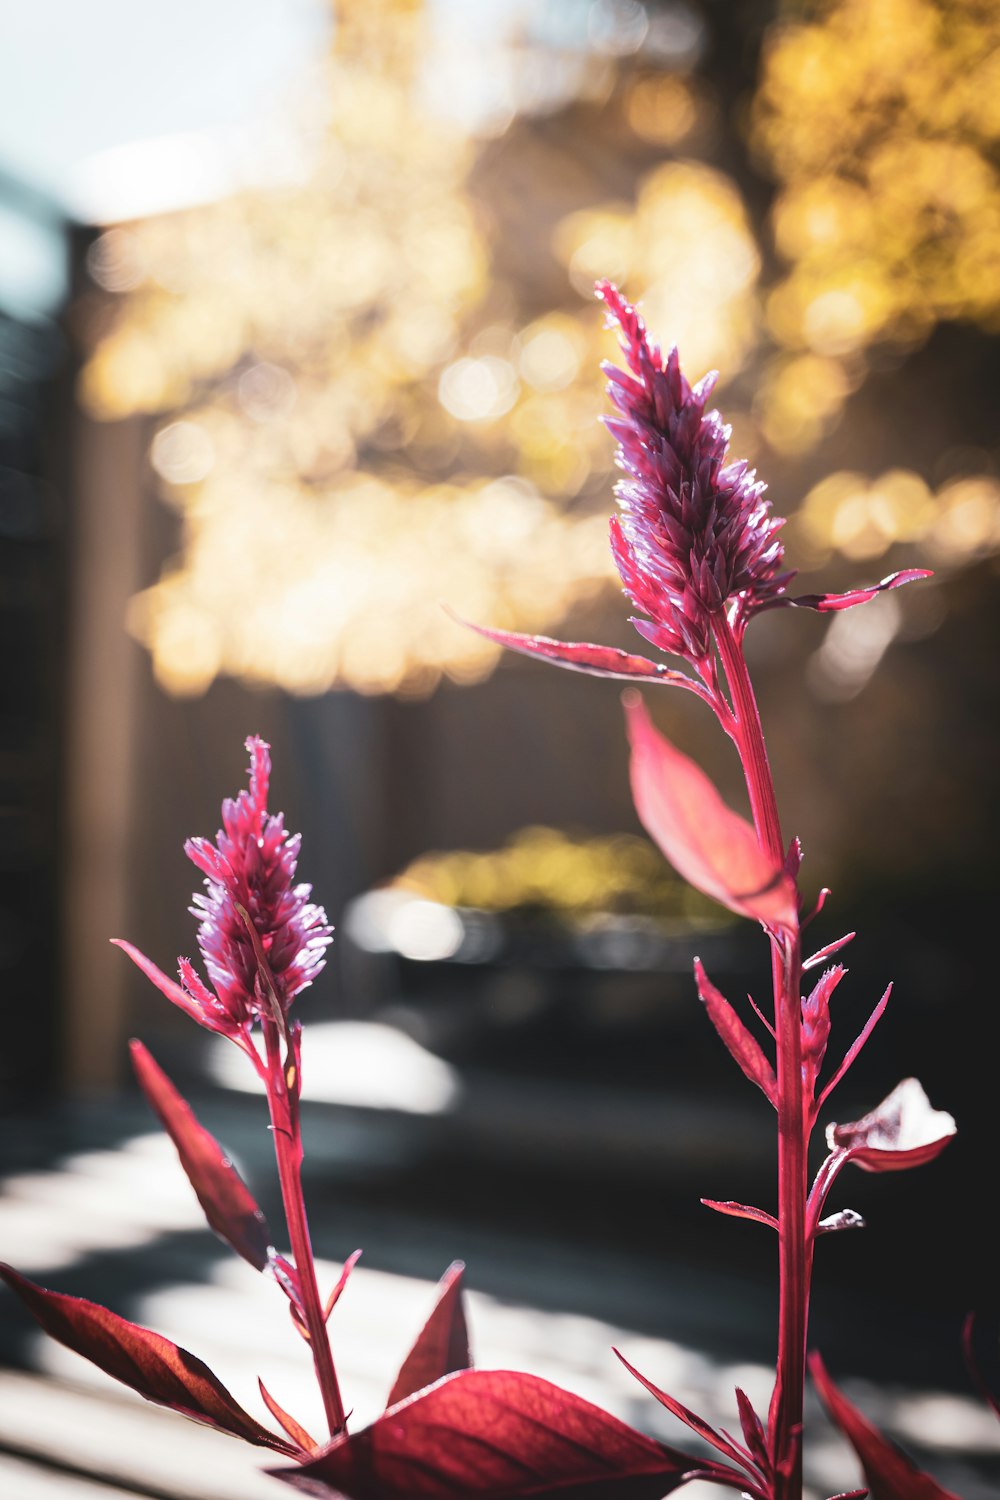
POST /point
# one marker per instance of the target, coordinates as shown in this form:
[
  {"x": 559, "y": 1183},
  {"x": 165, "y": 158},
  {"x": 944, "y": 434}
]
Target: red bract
[
  {"x": 225, "y": 1199},
  {"x": 826, "y": 603},
  {"x": 741, "y": 1044},
  {"x": 713, "y": 848},
  {"x": 580, "y": 656},
  {"x": 261, "y": 938},
  {"x": 442, "y": 1346},
  {"x": 816, "y": 1023},
  {"x": 756, "y": 1464},
  {"x": 888, "y": 1471}
]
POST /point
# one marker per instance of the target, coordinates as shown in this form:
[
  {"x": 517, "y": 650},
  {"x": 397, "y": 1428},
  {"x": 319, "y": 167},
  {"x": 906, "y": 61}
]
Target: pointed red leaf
[
  {"x": 762, "y": 1018},
  {"x": 707, "y": 843},
  {"x": 150, "y": 1364},
  {"x": 827, "y": 602},
  {"x": 583, "y": 656},
  {"x": 828, "y": 952},
  {"x": 903, "y": 1131},
  {"x": 890, "y": 1474},
  {"x": 342, "y": 1281},
  {"x": 741, "y": 1044},
  {"x": 211, "y": 1016},
  {"x": 855, "y": 1048},
  {"x": 816, "y": 1023},
  {"x": 689, "y": 1418},
  {"x": 821, "y": 900},
  {"x": 295, "y": 1430},
  {"x": 753, "y": 1431},
  {"x": 741, "y": 1211},
  {"x": 777, "y": 1397},
  {"x": 227, "y": 1202},
  {"x": 498, "y": 1435},
  {"x": 442, "y": 1345}
]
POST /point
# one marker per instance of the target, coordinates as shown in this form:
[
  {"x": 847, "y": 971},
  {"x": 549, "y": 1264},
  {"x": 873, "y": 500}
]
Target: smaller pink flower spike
[
  {"x": 249, "y": 873},
  {"x": 251, "y": 869}
]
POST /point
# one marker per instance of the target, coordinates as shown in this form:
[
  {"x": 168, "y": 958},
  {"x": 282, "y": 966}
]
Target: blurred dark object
[{"x": 32, "y": 623}]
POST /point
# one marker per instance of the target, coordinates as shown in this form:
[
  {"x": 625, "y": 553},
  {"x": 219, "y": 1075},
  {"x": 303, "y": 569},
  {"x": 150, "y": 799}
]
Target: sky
[{"x": 87, "y": 88}]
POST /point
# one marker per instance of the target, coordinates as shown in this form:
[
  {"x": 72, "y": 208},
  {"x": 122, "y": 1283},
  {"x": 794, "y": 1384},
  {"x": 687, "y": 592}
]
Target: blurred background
[{"x": 298, "y": 345}]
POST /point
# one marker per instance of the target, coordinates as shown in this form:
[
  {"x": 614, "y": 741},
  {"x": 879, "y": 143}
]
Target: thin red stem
[
  {"x": 794, "y": 1252},
  {"x": 753, "y": 751},
  {"x": 283, "y": 1101}
]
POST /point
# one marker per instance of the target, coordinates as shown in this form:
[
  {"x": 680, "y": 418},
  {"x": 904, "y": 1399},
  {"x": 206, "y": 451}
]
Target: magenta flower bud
[
  {"x": 249, "y": 872},
  {"x": 694, "y": 532},
  {"x": 250, "y": 869}
]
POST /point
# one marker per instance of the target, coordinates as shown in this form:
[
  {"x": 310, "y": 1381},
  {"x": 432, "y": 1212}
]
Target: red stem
[
  {"x": 794, "y": 1247},
  {"x": 283, "y": 1101}
]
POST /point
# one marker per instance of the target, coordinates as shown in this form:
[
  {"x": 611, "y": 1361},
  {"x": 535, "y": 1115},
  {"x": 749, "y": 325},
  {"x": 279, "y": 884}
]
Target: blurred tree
[{"x": 374, "y": 387}]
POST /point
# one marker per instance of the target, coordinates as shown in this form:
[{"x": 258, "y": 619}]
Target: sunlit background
[{"x": 299, "y": 359}]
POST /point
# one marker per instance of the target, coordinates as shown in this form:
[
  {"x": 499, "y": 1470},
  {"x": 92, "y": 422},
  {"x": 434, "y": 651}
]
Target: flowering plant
[{"x": 699, "y": 554}]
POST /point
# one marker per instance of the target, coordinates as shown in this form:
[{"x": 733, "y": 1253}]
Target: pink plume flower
[
  {"x": 249, "y": 873},
  {"x": 694, "y": 532},
  {"x": 251, "y": 869},
  {"x": 696, "y": 545}
]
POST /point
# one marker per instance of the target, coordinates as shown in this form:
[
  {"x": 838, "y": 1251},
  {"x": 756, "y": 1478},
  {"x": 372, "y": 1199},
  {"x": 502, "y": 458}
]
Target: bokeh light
[
  {"x": 879, "y": 120},
  {"x": 362, "y": 412},
  {"x": 545, "y": 870},
  {"x": 862, "y": 518}
]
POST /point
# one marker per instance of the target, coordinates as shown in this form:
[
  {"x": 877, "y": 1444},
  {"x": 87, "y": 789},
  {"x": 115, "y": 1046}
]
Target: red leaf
[
  {"x": 222, "y": 1193},
  {"x": 741, "y": 1044},
  {"x": 707, "y": 843},
  {"x": 442, "y": 1345},
  {"x": 903, "y": 1131},
  {"x": 890, "y": 1474},
  {"x": 753, "y": 1431},
  {"x": 498, "y": 1435},
  {"x": 342, "y": 1281},
  {"x": 828, "y": 951},
  {"x": 855, "y": 1048},
  {"x": 582, "y": 656},
  {"x": 159, "y": 1370},
  {"x": 741, "y": 1211},
  {"x": 816, "y": 1023},
  {"x": 295, "y": 1430},
  {"x": 684, "y": 1414},
  {"x": 827, "y": 602},
  {"x": 212, "y": 1017}
]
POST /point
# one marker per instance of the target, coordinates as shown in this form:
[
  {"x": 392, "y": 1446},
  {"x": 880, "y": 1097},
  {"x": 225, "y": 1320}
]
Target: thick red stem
[
  {"x": 283, "y": 1101},
  {"x": 794, "y": 1248}
]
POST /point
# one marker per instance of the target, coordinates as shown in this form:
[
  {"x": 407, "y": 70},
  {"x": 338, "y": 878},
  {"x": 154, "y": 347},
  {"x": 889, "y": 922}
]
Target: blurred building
[{"x": 34, "y": 407}]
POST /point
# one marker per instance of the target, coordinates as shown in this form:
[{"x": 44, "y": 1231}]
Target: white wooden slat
[{"x": 130, "y": 1443}]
